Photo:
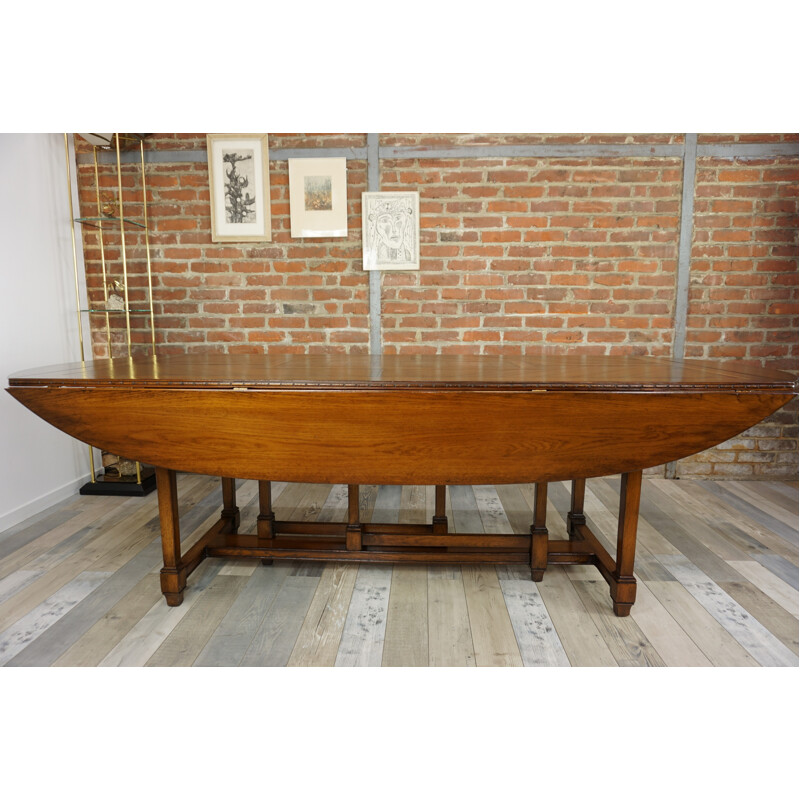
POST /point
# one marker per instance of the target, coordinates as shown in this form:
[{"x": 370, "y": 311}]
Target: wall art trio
[{"x": 238, "y": 167}]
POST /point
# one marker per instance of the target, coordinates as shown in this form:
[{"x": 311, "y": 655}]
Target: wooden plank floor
[{"x": 717, "y": 565}]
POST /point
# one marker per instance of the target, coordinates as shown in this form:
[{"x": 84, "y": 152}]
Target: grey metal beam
[
  {"x": 684, "y": 262},
  {"x": 359, "y": 153},
  {"x": 200, "y": 156},
  {"x": 685, "y": 246},
  {"x": 748, "y": 150},
  {"x": 534, "y": 151},
  {"x": 725, "y": 150},
  {"x": 374, "y": 185}
]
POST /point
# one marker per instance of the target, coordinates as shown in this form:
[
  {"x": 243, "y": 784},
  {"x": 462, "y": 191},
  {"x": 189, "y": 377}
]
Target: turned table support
[
  {"x": 354, "y": 530},
  {"x": 575, "y": 516},
  {"x": 439, "y": 520},
  {"x": 623, "y": 586},
  {"x": 173, "y": 574},
  {"x": 539, "y": 541},
  {"x": 230, "y": 510},
  {"x": 178, "y": 566},
  {"x": 265, "y": 523},
  {"x": 585, "y": 547}
]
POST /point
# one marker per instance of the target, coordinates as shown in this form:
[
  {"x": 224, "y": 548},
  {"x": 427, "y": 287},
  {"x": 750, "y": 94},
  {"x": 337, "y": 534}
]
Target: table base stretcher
[{"x": 401, "y": 543}]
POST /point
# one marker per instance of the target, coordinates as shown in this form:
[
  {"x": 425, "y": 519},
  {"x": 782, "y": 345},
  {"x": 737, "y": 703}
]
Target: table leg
[
  {"x": 230, "y": 510},
  {"x": 173, "y": 575},
  {"x": 353, "y": 531},
  {"x": 265, "y": 523},
  {"x": 623, "y": 587},
  {"x": 575, "y": 516},
  {"x": 539, "y": 543},
  {"x": 440, "y": 511}
]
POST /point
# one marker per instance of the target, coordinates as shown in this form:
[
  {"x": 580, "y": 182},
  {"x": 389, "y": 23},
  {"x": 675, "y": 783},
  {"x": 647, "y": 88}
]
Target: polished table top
[{"x": 563, "y": 372}]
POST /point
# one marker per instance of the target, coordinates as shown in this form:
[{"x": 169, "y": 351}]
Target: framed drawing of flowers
[
  {"x": 390, "y": 230},
  {"x": 238, "y": 175},
  {"x": 318, "y": 197}
]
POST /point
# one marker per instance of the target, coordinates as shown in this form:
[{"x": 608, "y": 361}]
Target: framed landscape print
[
  {"x": 238, "y": 174},
  {"x": 390, "y": 230},
  {"x": 318, "y": 197}
]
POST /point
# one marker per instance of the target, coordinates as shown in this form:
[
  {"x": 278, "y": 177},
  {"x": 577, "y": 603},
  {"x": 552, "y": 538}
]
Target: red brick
[
  {"x": 501, "y": 236},
  {"x": 507, "y": 176}
]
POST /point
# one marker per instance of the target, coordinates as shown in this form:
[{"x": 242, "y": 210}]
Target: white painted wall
[{"x": 39, "y": 465}]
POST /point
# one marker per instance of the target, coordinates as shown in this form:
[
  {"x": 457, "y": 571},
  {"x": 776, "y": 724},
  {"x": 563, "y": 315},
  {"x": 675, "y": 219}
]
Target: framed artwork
[
  {"x": 390, "y": 230},
  {"x": 318, "y": 197},
  {"x": 238, "y": 174}
]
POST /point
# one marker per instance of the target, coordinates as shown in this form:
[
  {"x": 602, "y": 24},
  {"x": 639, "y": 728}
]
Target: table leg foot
[
  {"x": 537, "y": 575},
  {"x": 623, "y": 594},
  {"x": 266, "y": 561},
  {"x": 173, "y": 598}
]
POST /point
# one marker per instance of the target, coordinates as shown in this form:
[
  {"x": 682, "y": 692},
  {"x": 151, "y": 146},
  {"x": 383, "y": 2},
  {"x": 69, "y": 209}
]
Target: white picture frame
[
  {"x": 390, "y": 230},
  {"x": 318, "y": 197},
  {"x": 238, "y": 177}
]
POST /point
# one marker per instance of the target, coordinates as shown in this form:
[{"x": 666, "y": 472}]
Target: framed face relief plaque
[
  {"x": 390, "y": 230},
  {"x": 318, "y": 197},
  {"x": 238, "y": 176}
]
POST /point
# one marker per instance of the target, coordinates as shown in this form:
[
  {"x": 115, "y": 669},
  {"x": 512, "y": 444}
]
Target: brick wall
[
  {"x": 518, "y": 254},
  {"x": 529, "y": 254},
  {"x": 743, "y": 297}
]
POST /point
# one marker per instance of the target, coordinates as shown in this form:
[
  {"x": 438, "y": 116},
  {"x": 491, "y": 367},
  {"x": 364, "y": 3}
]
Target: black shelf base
[{"x": 120, "y": 488}]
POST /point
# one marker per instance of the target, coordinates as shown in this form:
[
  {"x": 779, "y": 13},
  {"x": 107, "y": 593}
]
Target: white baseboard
[{"x": 41, "y": 503}]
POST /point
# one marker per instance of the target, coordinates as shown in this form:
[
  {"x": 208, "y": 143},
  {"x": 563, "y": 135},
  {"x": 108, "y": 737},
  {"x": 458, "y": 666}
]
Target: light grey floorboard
[
  {"x": 466, "y": 516},
  {"x": 276, "y": 636},
  {"x": 763, "y": 499},
  {"x": 775, "y": 619},
  {"x": 491, "y": 510},
  {"x": 25, "y": 630},
  {"x": 387, "y": 504},
  {"x": 779, "y": 566},
  {"x": 731, "y": 499},
  {"x": 29, "y": 530},
  {"x": 767, "y": 649},
  {"x": 674, "y": 526},
  {"x": 405, "y": 641},
  {"x": 749, "y": 535},
  {"x": 625, "y": 639},
  {"x": 229, "y": 643},
  {"x": 67, "y": 630},
  {"x": 335, "y": 507},
  {"x": 183, "y": 645},
  {"x": 449, "y": 635},
  {"x": 12, "y": 583},
  {"x": 536, "y": 636},
  {"x": 146, "y": 637},
  {"x": 365, "y": 626},
  {"x": 516, "y": 508}
]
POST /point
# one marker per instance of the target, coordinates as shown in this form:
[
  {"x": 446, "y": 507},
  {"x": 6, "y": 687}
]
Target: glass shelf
[
  {"x": 94, "y": 221},
  {"x": 114, "y": 311}
]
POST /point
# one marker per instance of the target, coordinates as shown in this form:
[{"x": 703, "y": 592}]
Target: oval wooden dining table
[{"x": 418, "y": 419}]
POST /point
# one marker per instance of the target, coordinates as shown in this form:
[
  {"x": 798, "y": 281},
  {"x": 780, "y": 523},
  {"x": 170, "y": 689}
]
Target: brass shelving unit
[{"x": 111, "y": 220}]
